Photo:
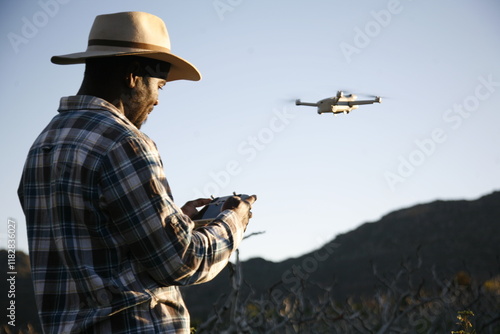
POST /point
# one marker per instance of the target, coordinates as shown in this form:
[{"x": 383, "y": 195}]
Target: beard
[{"x": 138, "y": 104}]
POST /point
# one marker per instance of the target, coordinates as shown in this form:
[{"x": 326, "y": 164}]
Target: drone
[{"x": 338, "y": 104}]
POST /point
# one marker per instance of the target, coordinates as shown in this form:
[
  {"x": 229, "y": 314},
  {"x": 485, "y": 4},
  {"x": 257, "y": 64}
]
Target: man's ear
[{"x": 132, "y": 74}]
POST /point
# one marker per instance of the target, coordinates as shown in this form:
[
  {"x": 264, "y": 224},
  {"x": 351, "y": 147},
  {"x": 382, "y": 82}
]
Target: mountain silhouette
[{"x": 445, "y": 237}]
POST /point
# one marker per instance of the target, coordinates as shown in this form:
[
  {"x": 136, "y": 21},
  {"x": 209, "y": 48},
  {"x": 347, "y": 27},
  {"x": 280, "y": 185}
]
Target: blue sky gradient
[{"x": 435, "y": 136}]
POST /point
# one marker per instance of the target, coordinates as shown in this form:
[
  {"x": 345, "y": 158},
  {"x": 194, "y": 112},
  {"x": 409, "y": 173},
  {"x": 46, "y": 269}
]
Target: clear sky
[{"x": 435, "y": 136}]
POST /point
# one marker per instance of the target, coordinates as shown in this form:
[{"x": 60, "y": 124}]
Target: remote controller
[{"x": 213, "y": 209}]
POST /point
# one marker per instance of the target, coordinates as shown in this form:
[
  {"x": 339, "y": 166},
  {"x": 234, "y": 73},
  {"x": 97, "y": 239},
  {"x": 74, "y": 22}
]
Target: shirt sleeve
[{"x": 148, "y": 224}]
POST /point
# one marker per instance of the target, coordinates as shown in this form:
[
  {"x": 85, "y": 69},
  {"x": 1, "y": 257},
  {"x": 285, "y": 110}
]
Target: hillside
[{"x": 448, "y": 236}]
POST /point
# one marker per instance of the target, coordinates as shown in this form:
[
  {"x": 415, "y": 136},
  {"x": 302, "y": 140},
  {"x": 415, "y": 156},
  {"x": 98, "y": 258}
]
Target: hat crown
[{"x": 136, "y": 27}]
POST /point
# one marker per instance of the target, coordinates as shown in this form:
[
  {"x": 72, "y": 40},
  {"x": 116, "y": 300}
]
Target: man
[{"x": 108, "y": 245}]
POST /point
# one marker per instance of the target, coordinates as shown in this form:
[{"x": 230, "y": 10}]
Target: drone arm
[
  {"x": 300, "y": 103},
  {"x": 353, "y": 103}
]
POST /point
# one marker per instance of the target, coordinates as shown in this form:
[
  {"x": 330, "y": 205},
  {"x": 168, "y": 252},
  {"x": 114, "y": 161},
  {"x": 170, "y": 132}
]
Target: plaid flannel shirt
[{"x": 108, "y": 246}]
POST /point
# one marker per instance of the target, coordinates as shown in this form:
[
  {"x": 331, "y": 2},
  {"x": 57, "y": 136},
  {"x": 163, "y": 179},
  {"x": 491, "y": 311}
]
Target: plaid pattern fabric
[{"x": 108, "y": 245}]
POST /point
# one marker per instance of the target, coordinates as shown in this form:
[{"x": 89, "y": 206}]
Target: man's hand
[
  {"x": 189, "y": 208},
  {"x": 241, "y": 207}
]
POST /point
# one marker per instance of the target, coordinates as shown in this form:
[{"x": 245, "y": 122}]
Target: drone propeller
[
  {"x": 348, "y": 92},
  {"x": 371, "y": 96},
  {"x": 289, "y": 99}
]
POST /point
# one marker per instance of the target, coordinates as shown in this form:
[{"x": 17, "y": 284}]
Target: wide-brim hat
[{"x": 131, "y": 33}]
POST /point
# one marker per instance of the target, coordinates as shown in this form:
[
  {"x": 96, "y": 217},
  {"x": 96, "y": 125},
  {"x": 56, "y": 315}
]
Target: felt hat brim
[{"x": 180, "y": 69}]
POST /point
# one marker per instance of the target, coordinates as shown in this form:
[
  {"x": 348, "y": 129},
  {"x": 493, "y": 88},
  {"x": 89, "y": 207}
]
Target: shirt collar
[{"x": 87, "y": 102}]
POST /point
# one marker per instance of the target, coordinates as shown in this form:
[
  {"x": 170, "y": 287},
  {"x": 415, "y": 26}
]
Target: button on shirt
[{"x": 106, "y": 239}]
